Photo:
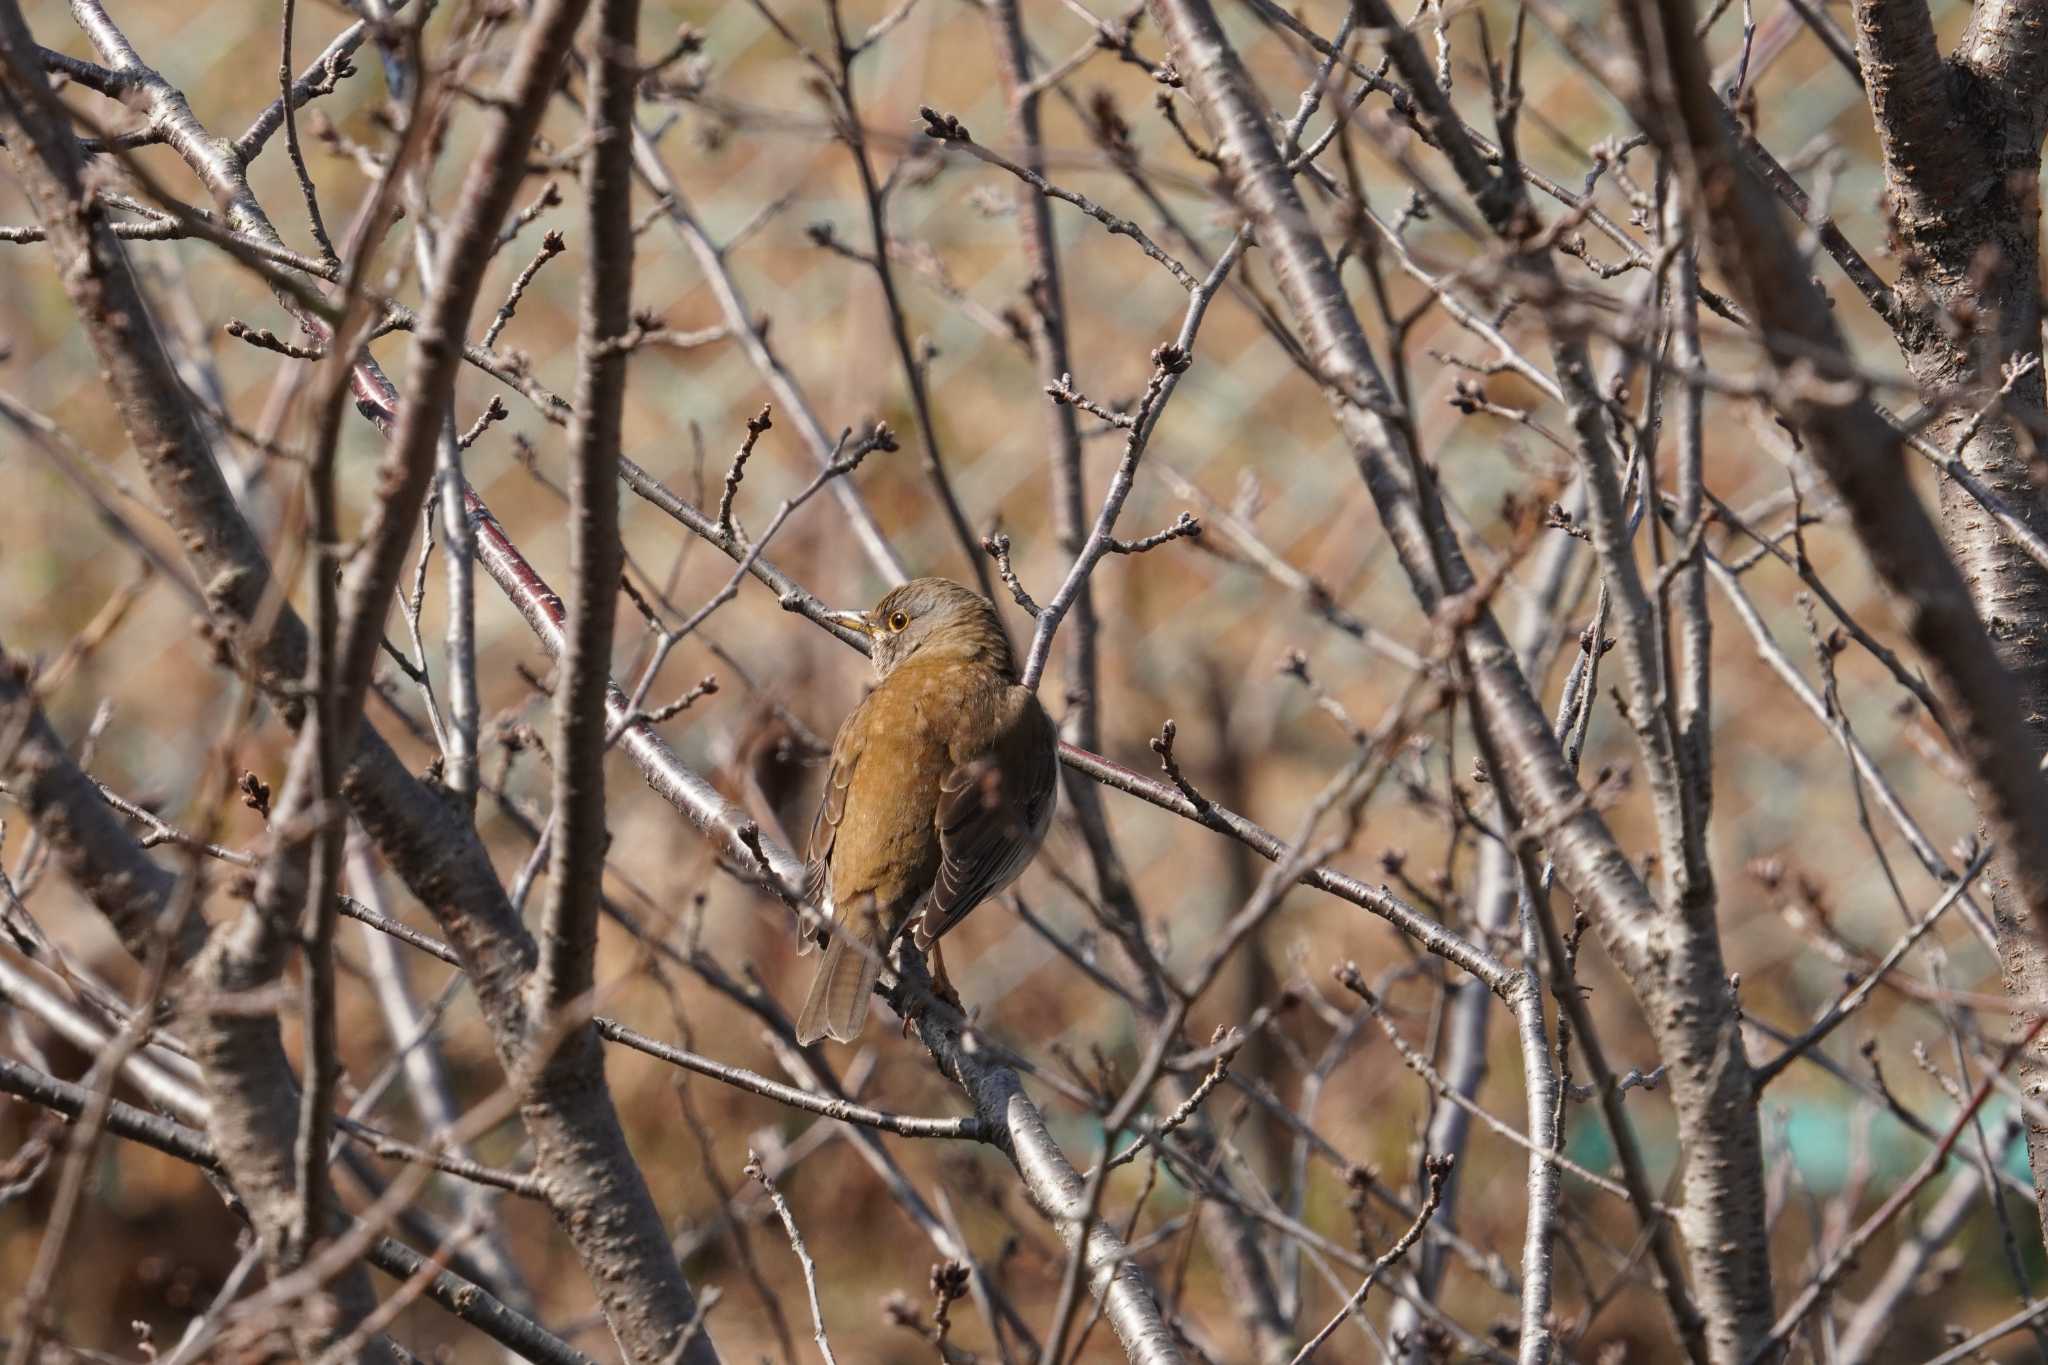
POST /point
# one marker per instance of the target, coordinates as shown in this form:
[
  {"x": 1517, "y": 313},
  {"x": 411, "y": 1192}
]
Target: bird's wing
[
  {"x": 993, "y": 813},
  {"x": 846, "y": 752}
]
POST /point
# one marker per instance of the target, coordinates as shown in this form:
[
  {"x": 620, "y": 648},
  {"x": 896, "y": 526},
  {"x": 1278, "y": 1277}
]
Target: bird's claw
[{"x": 941, "y": 991}]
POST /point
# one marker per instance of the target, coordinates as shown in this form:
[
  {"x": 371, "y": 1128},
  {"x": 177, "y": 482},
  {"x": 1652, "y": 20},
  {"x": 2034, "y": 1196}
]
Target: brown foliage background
[{"x": 1192, "y": 631}]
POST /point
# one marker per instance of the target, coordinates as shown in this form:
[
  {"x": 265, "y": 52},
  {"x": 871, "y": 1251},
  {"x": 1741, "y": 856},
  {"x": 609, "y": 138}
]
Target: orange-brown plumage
[{"x": 941, "y": 785}]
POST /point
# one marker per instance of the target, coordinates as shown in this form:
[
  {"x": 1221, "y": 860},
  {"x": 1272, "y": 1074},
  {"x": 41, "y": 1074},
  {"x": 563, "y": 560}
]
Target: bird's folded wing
[
  {"x": 992, "y": 814},
  {"x": 846, "y": 752}
]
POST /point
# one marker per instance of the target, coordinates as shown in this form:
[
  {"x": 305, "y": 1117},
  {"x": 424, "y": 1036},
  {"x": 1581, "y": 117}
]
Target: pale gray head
[{"x": 931, "y": 619}]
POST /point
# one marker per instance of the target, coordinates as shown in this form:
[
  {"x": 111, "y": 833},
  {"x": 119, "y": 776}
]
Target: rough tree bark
[
  {"x": 1961, "y": 138},
  {"x": 1232, "y": 1238},
  {"x": 596, "y": 1190},
  {"x": 1938, "y": 599},
  {"x": 1672, "y": 959}
]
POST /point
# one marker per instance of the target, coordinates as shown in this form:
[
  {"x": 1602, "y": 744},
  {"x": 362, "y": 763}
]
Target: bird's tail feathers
[
  {"x": 807, "y": 929},
  {"x": 837, "y": 1006}
]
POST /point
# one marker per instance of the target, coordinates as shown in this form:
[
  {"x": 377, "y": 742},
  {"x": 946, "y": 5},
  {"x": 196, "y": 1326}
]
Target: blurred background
[{"x": 1194, "y": 631}]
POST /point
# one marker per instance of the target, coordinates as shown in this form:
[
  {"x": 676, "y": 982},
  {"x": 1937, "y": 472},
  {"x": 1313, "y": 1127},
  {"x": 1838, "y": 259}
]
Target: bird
[{"x": 940, "y": 789}]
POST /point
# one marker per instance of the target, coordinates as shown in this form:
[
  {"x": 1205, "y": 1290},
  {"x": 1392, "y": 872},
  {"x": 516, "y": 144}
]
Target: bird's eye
[{"x": 897, "y": 620}]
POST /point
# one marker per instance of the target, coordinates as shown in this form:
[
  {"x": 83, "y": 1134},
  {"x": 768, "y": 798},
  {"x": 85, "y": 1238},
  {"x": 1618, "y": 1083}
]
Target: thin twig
[{"x": 796, "y": 1244}]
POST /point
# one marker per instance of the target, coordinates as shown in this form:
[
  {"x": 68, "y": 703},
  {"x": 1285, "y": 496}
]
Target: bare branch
[
  {"x": 803, "y": 1255},
  {"x": 947, "y": 129},
  {"x": 466, "y": 1301},
  {"x": 568, "y": 940},
  {"x": 551, "y": 246},
  {"x": 1861, "y": 454}
]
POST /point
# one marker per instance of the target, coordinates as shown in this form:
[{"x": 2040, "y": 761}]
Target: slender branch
[
  {"x": 1009, "y": 1119},
  {"x": 747, "y": 329},
  {"x": 438, "y": 855},
  {"x": 551, "y": 246},
  {"x": 321, "y": 77},
  {"x": 1724, "y": 1227},
  {"x": 1844, "y": 1255},
  {"x": 947, "y": 129},
  {"x": 568, "y": 939},
  {"x": 468, "y": 1302},
  {"x": 532, "y": 598},
  {"x": 1437, "y": 1169},
  {"x": 1861, "y": 454},
  {"x": 915, "y": 375},
  {"x": 1169, "y": 363},
  {"x": 1972, "y": 1347},
  {"x": 1852, "y": 998},
  {"x": 803, "y": 1255}
]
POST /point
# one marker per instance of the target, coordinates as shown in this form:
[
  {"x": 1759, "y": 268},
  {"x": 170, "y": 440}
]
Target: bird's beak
[{"x": 856, "y": 621}]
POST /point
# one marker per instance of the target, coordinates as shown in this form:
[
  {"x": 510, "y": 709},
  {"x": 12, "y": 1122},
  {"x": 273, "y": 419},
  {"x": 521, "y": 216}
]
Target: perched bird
[{"x": 941, "y": 788}]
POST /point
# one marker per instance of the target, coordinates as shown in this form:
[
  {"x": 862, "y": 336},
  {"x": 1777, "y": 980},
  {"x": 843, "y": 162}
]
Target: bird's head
[{"x": 931, "y": 619}]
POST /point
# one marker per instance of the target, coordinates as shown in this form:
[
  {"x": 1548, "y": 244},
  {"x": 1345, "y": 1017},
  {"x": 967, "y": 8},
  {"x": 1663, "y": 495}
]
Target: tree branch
[
  {"x": 1910, "y": 89},
  {"x": 1007, "y": 1116},
  {"x": 1723, "y": 1226},
  {"x": 574, "y": 1124},
  {"x": 568, "y": 939},
  {"x": 1860, "y": 452},
  {"x": 468, "y": 1302}
]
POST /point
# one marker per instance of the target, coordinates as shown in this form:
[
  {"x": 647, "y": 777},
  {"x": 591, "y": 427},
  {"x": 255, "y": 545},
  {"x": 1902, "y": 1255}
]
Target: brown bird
[{"x": 941, "y": 788}]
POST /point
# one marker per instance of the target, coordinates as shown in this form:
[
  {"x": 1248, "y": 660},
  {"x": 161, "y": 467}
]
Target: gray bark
[{"x": 1673, "y": 962}]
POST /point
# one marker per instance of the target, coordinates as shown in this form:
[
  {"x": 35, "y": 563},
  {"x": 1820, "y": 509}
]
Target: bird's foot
[{"x": 942, "y": 991}]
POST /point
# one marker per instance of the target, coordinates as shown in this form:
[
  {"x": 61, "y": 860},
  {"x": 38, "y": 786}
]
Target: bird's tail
[{"x": 838, "y": 1003}]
